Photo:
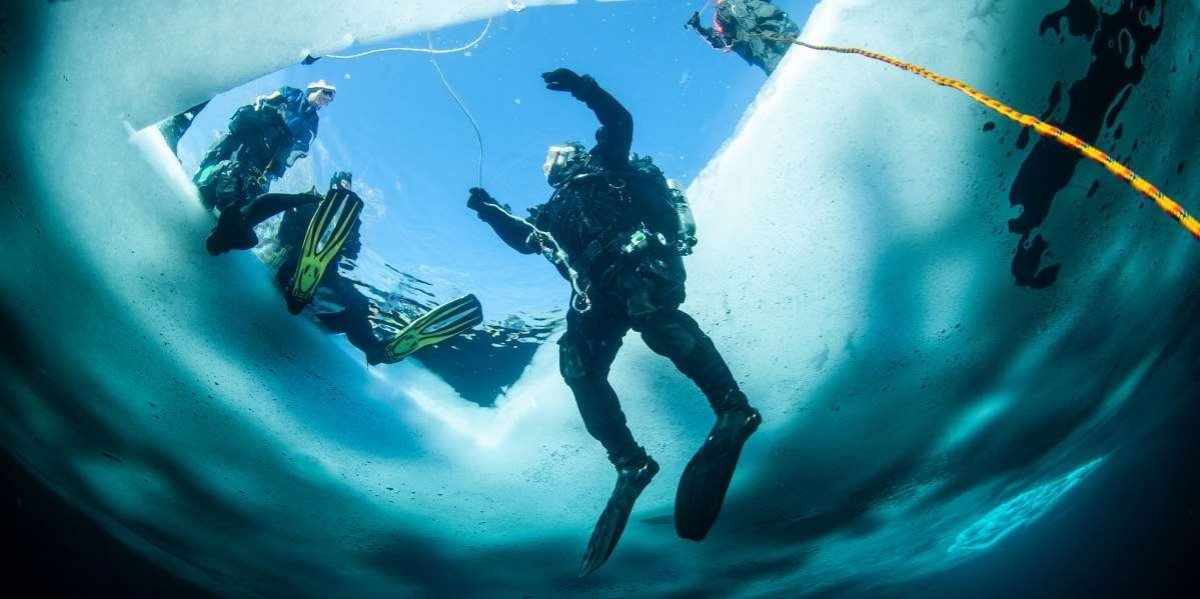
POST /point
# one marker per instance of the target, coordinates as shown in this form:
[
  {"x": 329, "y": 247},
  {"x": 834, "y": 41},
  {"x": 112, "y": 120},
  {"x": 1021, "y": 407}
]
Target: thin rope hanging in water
[
  {"x": 461, "y": 105},
  {"x": 1163, "y": 201},
  {"x": 429, "y": 50}
]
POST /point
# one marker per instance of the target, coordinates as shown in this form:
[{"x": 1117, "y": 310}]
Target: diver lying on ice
[
  {"x": 751, "y": 29},
  {"x": 317, "y": 232},
  {"x": 613, "y": 227}
]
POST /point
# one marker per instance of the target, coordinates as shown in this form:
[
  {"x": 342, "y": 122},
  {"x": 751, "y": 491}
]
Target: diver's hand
[
  {"x": 479, "y": 198},
  {"x": 694, "y": 22},
  {"x": 562, "y": 80}
]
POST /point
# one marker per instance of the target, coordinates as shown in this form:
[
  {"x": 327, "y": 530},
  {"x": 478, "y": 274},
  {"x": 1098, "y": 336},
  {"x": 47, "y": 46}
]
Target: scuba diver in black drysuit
[
  {"x": 264, "y": 139},
  {"x": 235, "y": 230},
  {"x": 740, "y": 26},
  {"x": 312, "y": 221},
  {"x": 612, "y": 227}
]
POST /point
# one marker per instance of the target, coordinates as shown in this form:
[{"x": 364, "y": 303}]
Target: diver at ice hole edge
[
  {"x": 615, "y": 220},
  {"x": 265, "y": 138},
  {"x": 317, "y": 231},
  {"x": 745, "y": 27}
]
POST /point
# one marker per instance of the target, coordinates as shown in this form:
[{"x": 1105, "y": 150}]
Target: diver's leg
[
  {"x": 706, "y": 478},
  {"x": 283, "y": 276},
  {"x": 357, "y": 324},
  {"x": 672, "y": 333},
  {"x": 267, "y": 205},
  {"x": 354, "y": 320},
  {"x": 232, "y": 231},
  {"x": 587, "y": 350},
  {"x": 235, "y": 224}
]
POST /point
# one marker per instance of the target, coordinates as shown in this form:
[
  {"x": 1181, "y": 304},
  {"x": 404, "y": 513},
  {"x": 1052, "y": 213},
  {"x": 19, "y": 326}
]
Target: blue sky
[{"x": 414, "y": 154}]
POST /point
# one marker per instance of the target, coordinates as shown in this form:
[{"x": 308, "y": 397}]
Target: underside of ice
[{"x": 857, "y": 270}]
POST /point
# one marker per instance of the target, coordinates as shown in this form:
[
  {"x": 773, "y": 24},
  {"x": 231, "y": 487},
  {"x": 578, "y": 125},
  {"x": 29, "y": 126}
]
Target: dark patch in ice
[
  {"x": 1116, "y": 109},
  {"x": 990, "y": 125},
  {"x": 1027, "y": 262},
  {"x": 1052, "y": 105},
  {"x": 1094, "y": 188},
  {"x": 1082, "y": 18},
  {"x": 1098, "y": 96}
]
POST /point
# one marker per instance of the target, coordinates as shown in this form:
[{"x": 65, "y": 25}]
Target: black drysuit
[
  {"x": 340, "y": 306},
  {"x": 264, "y": 139},
  {"x": 740, "y": 25},
  {"x": 238, "y": 167},
  {"x": 591, "y": 215}
]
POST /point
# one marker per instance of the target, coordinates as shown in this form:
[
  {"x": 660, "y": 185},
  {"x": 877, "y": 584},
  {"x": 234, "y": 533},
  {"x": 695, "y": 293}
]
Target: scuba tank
[{"x": 686, "y": 235}]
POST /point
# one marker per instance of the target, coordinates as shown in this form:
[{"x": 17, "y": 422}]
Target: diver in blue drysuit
[{"x": 264, "y": 139}]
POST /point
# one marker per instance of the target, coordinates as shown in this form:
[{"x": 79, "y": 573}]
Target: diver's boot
[
  {"x": 230, "y": 233},
  {"x": 375, "y": 354},
  {"x": 707, "y": 476},
  {"x": 294, "y": 307},
  {"x": 631, "y": 480}
]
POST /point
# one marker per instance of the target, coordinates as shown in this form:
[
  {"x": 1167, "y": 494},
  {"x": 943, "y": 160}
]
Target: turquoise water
[{"x": 962, "y": 338}]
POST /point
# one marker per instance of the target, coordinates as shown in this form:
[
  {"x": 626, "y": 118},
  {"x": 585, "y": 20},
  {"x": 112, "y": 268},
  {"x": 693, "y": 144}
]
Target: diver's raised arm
[{"x": 615, "y": 135}]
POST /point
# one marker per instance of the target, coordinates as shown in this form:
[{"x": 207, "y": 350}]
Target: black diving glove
[
  {"x": 562, "y": 80},
  {"x": 479, "y": 198},
  {"x": 694, "y": 22}
]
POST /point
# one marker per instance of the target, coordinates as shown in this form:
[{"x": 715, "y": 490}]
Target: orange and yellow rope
[{"x": 1164, "y": 202}]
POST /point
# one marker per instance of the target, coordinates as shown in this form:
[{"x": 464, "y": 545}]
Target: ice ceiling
[{"x": 919, "y": 368}]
